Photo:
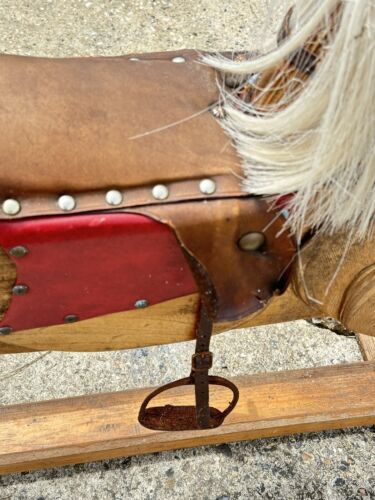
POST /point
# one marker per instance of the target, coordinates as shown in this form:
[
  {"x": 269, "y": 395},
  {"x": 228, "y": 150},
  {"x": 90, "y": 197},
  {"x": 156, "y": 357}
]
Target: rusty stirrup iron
[{"x": 202, "y": 415}]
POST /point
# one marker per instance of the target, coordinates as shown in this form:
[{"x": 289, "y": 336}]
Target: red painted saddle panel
[{"x": 91, "y": 265}]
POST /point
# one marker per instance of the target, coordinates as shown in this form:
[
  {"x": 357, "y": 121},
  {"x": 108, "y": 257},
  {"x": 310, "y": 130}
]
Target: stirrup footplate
[{"x": 184, "y": 418}]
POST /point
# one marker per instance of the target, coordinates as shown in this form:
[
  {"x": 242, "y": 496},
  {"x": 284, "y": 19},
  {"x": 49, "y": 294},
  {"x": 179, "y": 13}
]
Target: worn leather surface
[
  {"x": 69, "y": 124},
  {"x": 232, "y": 283}
]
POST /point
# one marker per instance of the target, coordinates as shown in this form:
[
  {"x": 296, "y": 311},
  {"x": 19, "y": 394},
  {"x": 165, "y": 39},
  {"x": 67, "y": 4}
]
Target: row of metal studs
[{"x": 114, "y": 197}]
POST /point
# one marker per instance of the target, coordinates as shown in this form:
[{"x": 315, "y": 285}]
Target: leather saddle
[
  {"x": 78, "y": 126},
  {"x": 141, "y": 134}
]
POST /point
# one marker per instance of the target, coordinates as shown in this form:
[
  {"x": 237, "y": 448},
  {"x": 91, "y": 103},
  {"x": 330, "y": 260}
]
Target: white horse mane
[{"x": 318, "y": 144}]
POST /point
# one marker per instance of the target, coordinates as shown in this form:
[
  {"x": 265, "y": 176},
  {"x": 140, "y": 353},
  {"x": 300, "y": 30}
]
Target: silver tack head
[
  {"x": 160, "y": 192},
  {"x": 18, "y": 251},
  {"x": 66, "y": 203},
  {"x": 207, "y": 186},
  {"x": 251, "y": 242},
  {"x": 11, "y": 207},
  {"x": 20, "y": 290},
  {"x": 114, "y": 197},
  {"x": 141, "y": 304},
  {"x": 178, "y": 60},
  {"x": 71, "y": 318},
  {"x": 5, "y": 330}
]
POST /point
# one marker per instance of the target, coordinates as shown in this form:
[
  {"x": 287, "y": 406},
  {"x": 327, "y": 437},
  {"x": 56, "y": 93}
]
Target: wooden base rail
[{"x": 102, "y": 426}]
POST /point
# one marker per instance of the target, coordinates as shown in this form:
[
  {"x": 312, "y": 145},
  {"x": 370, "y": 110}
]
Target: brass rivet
[
  {"x": 71, "y": 318},
  {"x": 5, "y": 330},
  {"x": 251, "y": 242},
  {"x": 11, "y": 207},
  {"x": 20, "y": 290},
  {"x": 18, "y": 251}
]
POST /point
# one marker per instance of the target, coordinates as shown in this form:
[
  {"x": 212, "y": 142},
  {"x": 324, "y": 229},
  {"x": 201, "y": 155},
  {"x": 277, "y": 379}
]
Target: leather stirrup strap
[
  {"x": 201, "y": 363},
  {"x": 200, "y": 416}
]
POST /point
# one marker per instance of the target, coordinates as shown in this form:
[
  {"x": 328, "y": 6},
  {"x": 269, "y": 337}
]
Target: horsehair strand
[{"x": 318, "y": 140}]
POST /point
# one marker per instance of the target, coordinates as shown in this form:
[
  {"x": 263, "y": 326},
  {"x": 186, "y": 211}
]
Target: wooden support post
[
  {"x": 367, "y": 345},
  {"x": 101, "y": 426}
]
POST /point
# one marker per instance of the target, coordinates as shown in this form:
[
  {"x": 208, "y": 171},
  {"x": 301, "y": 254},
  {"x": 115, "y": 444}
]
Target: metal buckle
[{"x": 201, "y": 361}]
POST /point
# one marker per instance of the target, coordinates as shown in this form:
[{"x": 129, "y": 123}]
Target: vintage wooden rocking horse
[{"x": 125, "y": 223}]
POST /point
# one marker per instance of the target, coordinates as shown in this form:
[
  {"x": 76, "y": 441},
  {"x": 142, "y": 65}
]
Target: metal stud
[
  {"x": 251, "y": 242},
  {"x": 207, "y": 186},
  {"x": 114, "y": 197},
  {"x": 134, "y": 59},
  {"x": 141, "y": 304},
  {"x": 18, "y": 251},
  {"x": 20, "y": 290},
  {"x": 71, "y": 318},
  {"x": 66, "y": 203},
  {"x": 5, "y": 330},
  {"x": 178, "y": 60},
  {"x": 160, "y": 192},
  {"x": 11, "y": 207}
]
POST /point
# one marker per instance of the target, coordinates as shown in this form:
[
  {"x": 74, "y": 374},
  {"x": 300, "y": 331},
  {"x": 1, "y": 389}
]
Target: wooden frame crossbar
[{"x": 102, "y": 426}]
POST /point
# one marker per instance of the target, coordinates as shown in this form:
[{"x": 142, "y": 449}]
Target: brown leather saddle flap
[{"x": 84, "y": 124}]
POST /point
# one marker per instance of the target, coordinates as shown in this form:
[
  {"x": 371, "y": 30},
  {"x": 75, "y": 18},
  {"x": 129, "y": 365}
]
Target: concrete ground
[{"x": 331, "y": 465}]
